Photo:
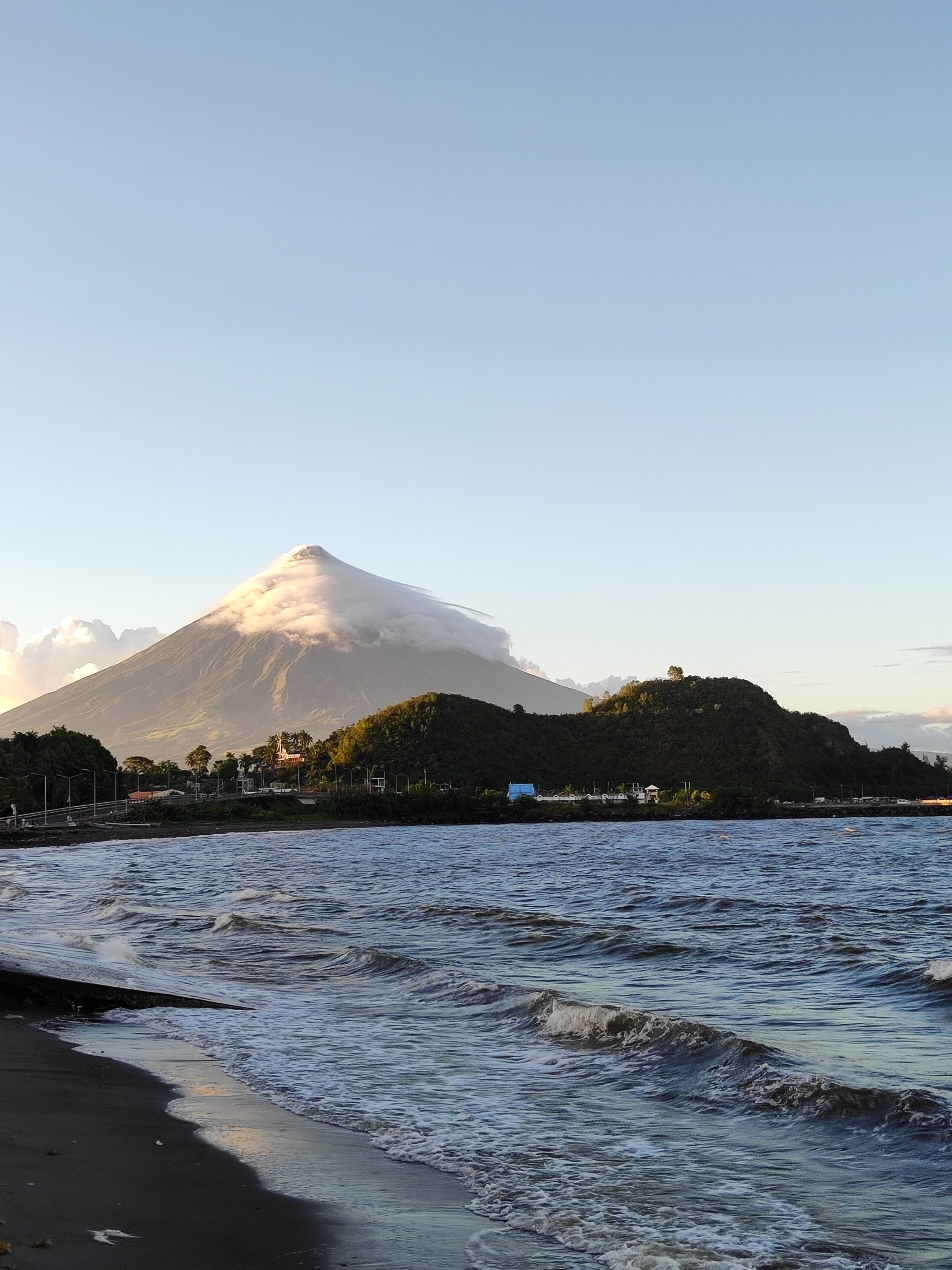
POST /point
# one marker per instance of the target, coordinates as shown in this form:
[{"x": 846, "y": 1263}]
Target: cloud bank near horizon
[
  {"x": 71, "y": 651},
  {"x": 929, "y": 732},
  {"x": 310, "y": 595}
]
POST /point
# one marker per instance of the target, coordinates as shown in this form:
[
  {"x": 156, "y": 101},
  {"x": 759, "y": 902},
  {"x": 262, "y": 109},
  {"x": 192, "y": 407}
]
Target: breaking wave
[
  {"x": 734, "y": 1069},
  {"x": 940, "y": 970},
  {"x": 689, "y": 1059}
]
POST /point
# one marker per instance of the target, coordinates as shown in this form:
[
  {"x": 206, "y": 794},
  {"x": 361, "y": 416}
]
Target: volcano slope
[
  {"x": 715, "y": 733},
  {"x": 309, "y": 643}
]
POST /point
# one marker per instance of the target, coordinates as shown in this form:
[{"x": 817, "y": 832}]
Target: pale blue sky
[{"x": 625, "y": 323}]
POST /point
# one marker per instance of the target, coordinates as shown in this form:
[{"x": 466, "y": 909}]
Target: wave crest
[{"x": 637, "y": 1028}]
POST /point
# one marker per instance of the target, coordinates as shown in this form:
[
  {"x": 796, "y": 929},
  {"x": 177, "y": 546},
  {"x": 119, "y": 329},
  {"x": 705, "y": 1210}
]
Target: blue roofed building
[{"x": 521, "y": 791}]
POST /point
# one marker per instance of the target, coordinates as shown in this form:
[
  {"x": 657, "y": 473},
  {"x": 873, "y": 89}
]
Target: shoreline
[
  {"x": 108, "y": 1126},
  {"x": 60, "y": 836},
  {"x": 87, "y": 1144},
  {"x": 378, "y": 1211}
]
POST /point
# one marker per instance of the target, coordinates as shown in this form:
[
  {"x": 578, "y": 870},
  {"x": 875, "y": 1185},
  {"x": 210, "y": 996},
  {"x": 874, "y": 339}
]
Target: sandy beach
[
  {"x": 80, "y": 1151},
  {"x": 105, "y": 1127}
]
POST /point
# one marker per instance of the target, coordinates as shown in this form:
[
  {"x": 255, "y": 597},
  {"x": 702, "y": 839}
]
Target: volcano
[{"x": 310, "y": 643}]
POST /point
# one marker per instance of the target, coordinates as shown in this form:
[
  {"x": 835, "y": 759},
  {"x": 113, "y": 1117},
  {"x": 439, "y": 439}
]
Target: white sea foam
[
  {"x": 110, "y": 910},
  {"x": 560, "y": 1018},
  {"x": 584, "y": 1021},
  {"x": 939, "y": 970},
  {"x": 115, "y": 948},
  {"x": 222, "y": 922}
]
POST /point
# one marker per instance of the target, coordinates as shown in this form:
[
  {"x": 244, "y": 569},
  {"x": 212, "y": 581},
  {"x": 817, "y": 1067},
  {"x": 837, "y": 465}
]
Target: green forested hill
[{"x": 715, "y": 733}]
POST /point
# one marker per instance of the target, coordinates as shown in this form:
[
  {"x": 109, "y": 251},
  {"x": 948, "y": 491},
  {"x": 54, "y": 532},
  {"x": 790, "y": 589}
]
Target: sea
[{"x": 697, "y": 1045}]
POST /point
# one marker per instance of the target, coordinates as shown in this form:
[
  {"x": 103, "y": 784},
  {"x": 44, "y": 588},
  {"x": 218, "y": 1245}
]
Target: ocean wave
[
  {"x": 110, "y": 908},
  {"x": 691, "y": 1059},
  {"x": 913, "y": 979},
  {"x": 916, "y": 1109},
  {"x": 505, "y": 916},
  {"x": 558, "y": 932},
  {"x": 115, "y": 948},
  {"x": 737, "y": 1070},
  {"x": 253, "y": 921},
  {"x": 559, "y": 1018},
  {"x": 357, "y": 960}
]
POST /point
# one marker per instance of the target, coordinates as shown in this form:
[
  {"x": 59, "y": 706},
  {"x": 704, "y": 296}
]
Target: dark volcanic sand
[{"x": 78, "y": 1152}]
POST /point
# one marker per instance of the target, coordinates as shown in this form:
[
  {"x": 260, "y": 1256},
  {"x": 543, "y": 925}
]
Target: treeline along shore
[{"x": 713, "y": 747}]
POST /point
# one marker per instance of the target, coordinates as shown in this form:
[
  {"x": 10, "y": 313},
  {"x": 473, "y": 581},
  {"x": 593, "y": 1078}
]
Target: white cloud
[
  {"x": 929, "y": 732},
  {"x": 81, "y": 672},
  {"x": 71, "y": 651},
  {"x": 531, "y": 668},
  {"x": 595, "y": 689},
  {"x": 600, "y": 686},
  {"x": 312, "y": 596}
]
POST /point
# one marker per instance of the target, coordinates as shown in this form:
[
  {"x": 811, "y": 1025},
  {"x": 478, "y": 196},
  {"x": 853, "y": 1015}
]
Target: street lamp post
[
  {"x": 43, "y": 774},
  {"x": 92, "y": 773}
]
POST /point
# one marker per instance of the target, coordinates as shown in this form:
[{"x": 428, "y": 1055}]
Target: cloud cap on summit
[{"x": 310, "y": 595}]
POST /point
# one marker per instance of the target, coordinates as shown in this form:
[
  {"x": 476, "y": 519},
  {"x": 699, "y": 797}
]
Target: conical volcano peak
[
  {"x": 310, "y": 642},
  {"x": 309, "y": 595},
  {"x": 305, "y": 552}
]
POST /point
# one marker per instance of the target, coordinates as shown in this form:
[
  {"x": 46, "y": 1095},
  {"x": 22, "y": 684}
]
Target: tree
[
  {"x": 138, "y": 764},
  {"x": 15, "y": 790},
  {"x": 67, "y": 761},
  {"x": 261, "y": 760},
  {"x": 197, "y": 761},
  {"x": 675, "y": 674},
  {"x": 227, "y": 767}
]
